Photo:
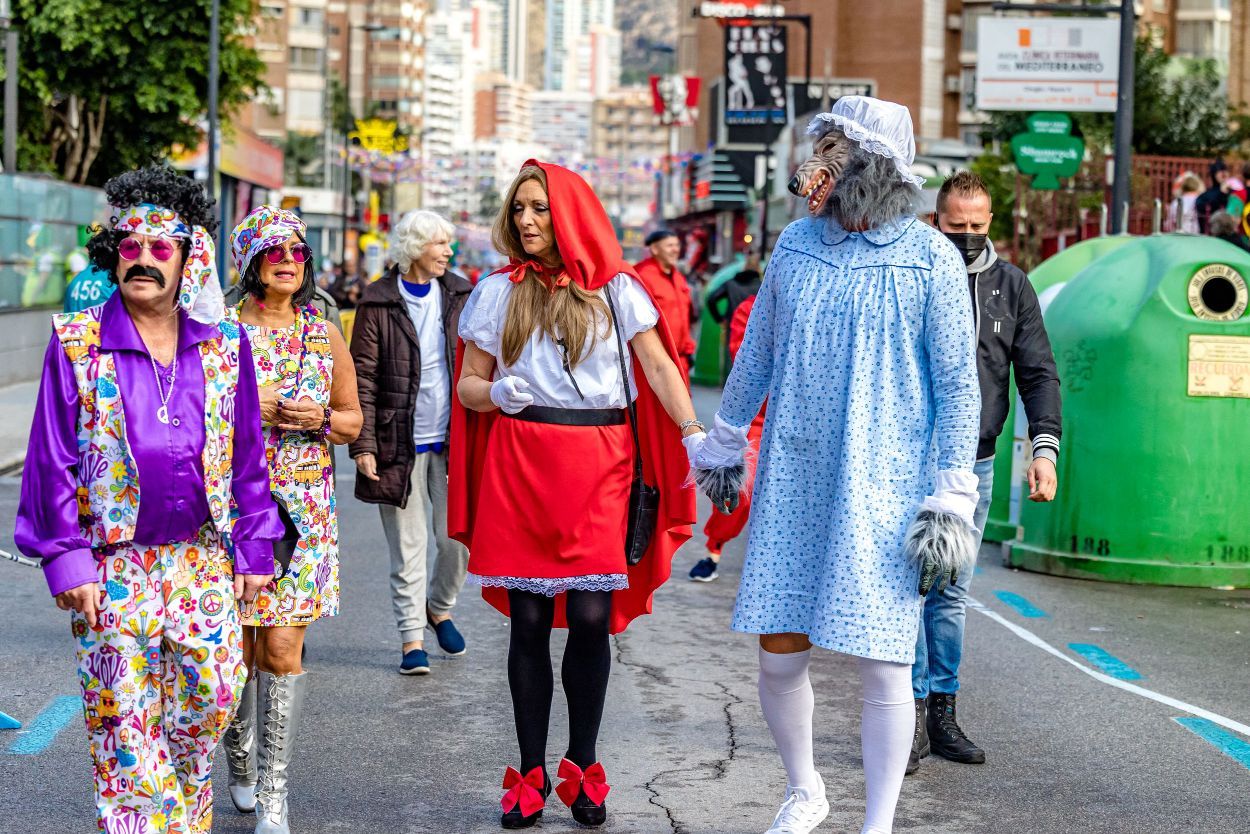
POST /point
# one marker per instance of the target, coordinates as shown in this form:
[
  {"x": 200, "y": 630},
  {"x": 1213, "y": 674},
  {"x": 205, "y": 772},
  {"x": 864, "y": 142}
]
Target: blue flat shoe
[
  {"x": 415, "y": 662},
  {"x": 704, "y": 570},
  {"x": 449, "y": 638}
]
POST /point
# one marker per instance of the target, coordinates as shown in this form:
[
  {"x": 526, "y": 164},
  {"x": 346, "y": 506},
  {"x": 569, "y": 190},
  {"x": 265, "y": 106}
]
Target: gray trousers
[{"x": 408, "y": 537}]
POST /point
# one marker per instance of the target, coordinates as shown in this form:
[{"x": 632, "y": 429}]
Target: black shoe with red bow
[
  {"x": 524, "y": 797},
  {"x": 585, "y": 792}
]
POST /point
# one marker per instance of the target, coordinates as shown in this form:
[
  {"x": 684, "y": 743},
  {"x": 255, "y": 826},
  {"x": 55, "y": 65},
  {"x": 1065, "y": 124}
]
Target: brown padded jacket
[{"x": 387, "y": 356}]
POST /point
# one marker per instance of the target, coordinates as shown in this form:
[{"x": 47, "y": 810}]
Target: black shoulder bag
[
  {"x": 644, "y": 499},
  {"x": 284, "y": 548}
]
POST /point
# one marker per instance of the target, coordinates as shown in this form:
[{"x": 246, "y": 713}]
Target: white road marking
[
  {"x": 1029, "y": 637},
  {"x": 21, "y": 560}
]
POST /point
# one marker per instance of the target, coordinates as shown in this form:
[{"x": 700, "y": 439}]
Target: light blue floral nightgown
[{"x": 864, "y": 345}]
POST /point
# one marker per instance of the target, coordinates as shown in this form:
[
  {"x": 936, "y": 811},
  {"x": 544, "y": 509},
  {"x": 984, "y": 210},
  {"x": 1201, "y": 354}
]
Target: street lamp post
[
  {"x": 666, "y": 172},
  {"x": 214, "y": 38},
  {"x": 10, "y": 88},
  {"x": 347, "y": 165},
  {"x": 1124, "y": 119}
]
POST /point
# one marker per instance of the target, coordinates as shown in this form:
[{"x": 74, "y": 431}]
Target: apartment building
[
  {"x": 627, "y": 144},
  {"x": 1204, "y": 29},
  {"x": 291, "y": 38},
  {"x": 564, "y": 121},
  {"x": 502, "y": 109}
]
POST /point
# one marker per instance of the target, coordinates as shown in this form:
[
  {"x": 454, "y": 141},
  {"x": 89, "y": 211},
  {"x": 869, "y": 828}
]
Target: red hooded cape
[{"x": 592, "y": 257}]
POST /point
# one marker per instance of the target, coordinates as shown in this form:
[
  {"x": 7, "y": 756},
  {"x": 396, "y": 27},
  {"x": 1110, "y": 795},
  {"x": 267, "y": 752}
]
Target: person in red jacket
[
  {"x": 723, "y": 528},
  {"x": 670, "y": 289}
]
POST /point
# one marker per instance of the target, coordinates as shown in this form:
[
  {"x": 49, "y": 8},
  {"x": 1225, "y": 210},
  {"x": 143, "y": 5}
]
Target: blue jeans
[{"x": 940, "y": 644}]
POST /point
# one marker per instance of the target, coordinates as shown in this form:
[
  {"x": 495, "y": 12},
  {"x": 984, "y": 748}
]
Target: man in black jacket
[{"x": 1010, "y": 334}]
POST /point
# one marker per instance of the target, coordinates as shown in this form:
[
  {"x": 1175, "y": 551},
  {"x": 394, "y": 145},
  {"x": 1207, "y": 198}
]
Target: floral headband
[
  {"x": 147, "y": 219},
  {"x": 199, "y": 290},
  {"x": 266, "y": 226}
]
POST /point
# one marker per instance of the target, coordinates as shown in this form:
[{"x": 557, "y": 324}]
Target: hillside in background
[{"x": 649, "y": 34}]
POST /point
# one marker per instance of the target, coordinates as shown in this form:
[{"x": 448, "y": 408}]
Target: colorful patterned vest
[{"x": 108, "y": 483}]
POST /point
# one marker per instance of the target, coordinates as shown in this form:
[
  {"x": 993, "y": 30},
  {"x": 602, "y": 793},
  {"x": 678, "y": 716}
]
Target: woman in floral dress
[{"x": 308, "y": 403}]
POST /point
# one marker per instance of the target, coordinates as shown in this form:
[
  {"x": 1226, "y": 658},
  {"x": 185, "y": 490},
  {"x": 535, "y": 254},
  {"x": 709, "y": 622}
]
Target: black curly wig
[
  {"x": 162, "y": 186},
  {"x": 250, "y": 281}
]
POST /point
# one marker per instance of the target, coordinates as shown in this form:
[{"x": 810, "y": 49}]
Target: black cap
[
  {"x": 1217, "y": 166},
  {"x": 658, "y": 235}
]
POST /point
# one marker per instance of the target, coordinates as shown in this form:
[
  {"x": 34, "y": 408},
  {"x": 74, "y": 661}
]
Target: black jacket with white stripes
[{"x": 1010, "y": 333}]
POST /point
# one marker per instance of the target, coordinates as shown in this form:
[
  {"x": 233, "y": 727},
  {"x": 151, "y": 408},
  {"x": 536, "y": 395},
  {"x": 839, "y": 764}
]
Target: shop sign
[
  {"x": 1057, "y": 63},
  {"x": 378, "y": 136},
  {"x": 675, "y": 99},
  {"x": 1055, "y": 124},
  {"x": 1047, "y": 152},
  {"x": 741, "y": 9},
  {"x": 755, "y": 75}
]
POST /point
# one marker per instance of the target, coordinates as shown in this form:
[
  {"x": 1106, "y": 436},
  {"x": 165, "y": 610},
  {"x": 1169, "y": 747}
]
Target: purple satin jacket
[{"x": 168, "y": 456}]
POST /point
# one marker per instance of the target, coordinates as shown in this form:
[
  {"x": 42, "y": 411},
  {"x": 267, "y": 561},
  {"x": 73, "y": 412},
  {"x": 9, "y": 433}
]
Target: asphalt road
[{"x": 684, "y": 742}]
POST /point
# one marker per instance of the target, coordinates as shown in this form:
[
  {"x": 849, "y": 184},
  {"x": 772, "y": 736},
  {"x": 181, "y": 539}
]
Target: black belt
[{"x": 571, "y": 416}]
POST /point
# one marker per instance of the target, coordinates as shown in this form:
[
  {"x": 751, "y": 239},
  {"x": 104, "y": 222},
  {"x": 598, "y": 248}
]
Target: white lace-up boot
[
  {"x": 281, "y": 704},
  {"x": 240, "y": 743}
]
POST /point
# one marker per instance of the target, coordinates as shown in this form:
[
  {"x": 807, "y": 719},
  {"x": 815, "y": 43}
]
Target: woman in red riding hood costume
[{"x": 542, "y": 460}]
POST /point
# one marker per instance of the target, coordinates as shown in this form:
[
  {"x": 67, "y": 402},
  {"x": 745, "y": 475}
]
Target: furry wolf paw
[{"x": 942, "y": 546}]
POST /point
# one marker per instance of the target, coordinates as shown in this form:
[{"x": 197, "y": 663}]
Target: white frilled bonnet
[{"x": 880, "y": 127}]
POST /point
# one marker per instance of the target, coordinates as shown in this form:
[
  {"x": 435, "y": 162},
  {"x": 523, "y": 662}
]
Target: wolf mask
[{"x": 814, "y": 180}]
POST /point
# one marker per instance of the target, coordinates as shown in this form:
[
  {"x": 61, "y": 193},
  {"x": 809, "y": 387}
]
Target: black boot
[
  {"x": 947, "y": 739},
  {"x": 920, "y": 739}
]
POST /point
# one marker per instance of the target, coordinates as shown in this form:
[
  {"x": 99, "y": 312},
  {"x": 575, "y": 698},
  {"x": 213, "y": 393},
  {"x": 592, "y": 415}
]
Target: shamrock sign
[{"x": 1047, "y": 151}]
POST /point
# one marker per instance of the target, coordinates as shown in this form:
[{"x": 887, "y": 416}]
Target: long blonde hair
[{"x": 570, "y": 312}]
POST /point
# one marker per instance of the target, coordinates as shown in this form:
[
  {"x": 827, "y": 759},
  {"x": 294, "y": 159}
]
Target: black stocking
[
  {"x": 587, "y": 662},
  {"x": 529, "y": 673}
]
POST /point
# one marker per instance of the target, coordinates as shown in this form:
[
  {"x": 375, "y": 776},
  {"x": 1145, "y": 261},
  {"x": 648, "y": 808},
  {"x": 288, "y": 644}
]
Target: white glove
[
  {"x": 509, "y": 394},
  {"x": 724, "y": 445},
  {"x": 692, "y": 442},
  {"x": 956, "y": 493}
]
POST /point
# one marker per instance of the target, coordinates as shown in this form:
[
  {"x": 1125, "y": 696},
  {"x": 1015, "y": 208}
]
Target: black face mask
[{"x": 969, "y": 245}]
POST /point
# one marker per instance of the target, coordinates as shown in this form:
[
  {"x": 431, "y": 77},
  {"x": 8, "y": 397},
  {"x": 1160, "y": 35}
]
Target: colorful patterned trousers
[{"x": 160, "y": 676}]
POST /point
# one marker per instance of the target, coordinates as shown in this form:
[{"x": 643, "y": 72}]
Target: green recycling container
[
  {"x": 1009, "y": 454},
  {"x": 711, "y": 359},
  {"x": 1152, "y": 342}
]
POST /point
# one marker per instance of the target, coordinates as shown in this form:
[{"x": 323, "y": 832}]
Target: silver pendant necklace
[{"x": 162, "y": 413}]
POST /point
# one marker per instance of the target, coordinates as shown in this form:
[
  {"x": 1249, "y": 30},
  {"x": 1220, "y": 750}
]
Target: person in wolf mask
[{"x": 862, "y": 341}]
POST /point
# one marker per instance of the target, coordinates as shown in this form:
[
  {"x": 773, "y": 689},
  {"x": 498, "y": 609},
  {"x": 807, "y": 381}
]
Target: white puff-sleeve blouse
[{"x": 596, "y": 381}]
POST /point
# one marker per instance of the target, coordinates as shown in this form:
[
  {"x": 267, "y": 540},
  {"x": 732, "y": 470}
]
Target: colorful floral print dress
[{"x": 298, "y": 360}]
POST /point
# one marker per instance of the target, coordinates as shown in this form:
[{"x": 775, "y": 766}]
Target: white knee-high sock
[
  {"x": 886, "y": 726},
  {"x": 787, "y": 700}
]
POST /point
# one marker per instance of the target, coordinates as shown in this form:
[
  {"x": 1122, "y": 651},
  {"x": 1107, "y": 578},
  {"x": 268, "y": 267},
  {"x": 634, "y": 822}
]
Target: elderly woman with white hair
[{"x": 404, "y": 348}]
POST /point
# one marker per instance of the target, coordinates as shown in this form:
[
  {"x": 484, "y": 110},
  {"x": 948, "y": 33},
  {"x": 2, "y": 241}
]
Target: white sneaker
[{"x": 800, "y": 814}]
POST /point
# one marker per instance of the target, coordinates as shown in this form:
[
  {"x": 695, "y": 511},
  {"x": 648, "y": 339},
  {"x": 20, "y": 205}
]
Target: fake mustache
[{"x": 152, "y": 272}]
